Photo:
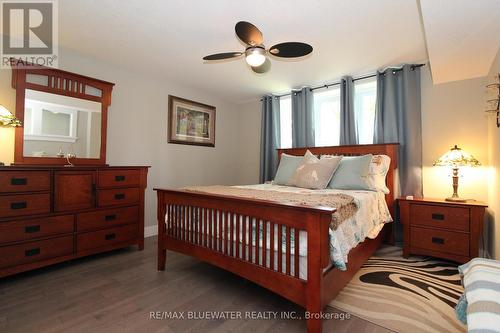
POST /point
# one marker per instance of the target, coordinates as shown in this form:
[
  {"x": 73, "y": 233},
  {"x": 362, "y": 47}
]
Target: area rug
[{"x": 417, "y": 294}]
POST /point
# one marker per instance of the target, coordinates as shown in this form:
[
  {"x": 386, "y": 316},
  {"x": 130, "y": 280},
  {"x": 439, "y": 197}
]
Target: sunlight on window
[
  {"x": 286, "y": 122},
  {"x": 327, "y": 116},
  {"x": 365, "y": 97}
]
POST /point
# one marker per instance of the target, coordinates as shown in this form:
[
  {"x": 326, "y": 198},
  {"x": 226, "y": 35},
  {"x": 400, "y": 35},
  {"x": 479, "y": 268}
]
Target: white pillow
[
  {"x": 314, "y": 173},
  {"x": 377, "y": 173}
]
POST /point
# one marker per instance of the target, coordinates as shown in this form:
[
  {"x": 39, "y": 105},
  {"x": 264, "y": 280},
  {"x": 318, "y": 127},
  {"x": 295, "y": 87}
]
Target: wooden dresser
[
  {"x": 443, "y": 229},
  {"x": 50, "y": 214}
]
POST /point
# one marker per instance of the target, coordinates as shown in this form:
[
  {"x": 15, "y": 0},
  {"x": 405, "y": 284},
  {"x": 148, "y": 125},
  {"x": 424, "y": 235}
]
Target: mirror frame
[{"x": 62, "y": 83}]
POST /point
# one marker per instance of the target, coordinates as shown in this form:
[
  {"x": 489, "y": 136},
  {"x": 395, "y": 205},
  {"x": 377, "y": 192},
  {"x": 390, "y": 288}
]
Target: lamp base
[{"x": 456, "y": 199}]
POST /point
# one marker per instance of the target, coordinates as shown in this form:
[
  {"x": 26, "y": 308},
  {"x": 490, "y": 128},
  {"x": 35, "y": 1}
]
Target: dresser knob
[
  {"x": 110, "y": 236},
  {"x": 438, "y": 240},
  {"x": 32, "y": 229},
  {"x": 18, "y": 181},
  {"x": 32, "y": 252},
  {"x": 438, "y": 217},
  {"x": 19, "y": 205}
]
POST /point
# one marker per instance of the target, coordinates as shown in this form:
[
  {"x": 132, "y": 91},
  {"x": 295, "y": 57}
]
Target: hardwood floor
[{"x": 116, "y": 291}]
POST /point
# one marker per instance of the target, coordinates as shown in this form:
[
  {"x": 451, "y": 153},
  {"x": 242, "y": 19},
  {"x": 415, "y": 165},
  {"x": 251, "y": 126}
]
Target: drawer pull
[
  {"x": 110, "y": 217},
  {"x": 32, "y": 229},
  {"x": 437, "y": 240},
  {"x": 19, "y": 205},
  {"x": 119, "y": 178},
  {"x": 110, "y": 236},
  {"x": 119, "y": 196},
  {"x": 438, "y": 217},
  {"x": 18, "y": 181},
  {"x": 32, "y": 252}
]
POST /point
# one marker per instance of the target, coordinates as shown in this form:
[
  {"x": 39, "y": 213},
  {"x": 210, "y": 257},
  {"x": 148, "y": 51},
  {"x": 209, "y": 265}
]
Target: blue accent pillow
[
  {"x": 352, "y": 173},
  {"x": 286, "y": 169}
]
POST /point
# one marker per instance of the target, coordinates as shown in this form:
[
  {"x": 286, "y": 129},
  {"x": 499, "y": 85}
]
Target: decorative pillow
[
  {"x": 288, "y": 165},
  {"x": 314, "y": 173},
  {"x": 377, "y": 173},
  {"x": 352, "y": 173},
  {"x": 480, "y": 278}
]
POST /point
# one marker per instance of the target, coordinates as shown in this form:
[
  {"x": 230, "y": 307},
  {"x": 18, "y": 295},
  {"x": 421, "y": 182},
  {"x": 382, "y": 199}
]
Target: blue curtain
[
  {"x": 302, "y": 118},
  {"x": 270, "y": 137},
  {"x": 398, "y": 119},
  {"x": 348, "y": 134}
]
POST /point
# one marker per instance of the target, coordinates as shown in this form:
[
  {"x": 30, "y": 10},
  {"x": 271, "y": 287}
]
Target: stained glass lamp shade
[
  {"x": 456, "y": 158},
  {"x": 7, "y": 119}
]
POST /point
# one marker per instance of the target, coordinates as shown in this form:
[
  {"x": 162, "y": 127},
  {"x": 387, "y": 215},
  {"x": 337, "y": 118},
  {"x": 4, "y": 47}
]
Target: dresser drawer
[
  {"x": 35, "y": 228},
  {"x": 35, "y": 251},
  {"x": 119, "y": 178},
  {"x": 440, "y": 240},
  {"x": 107, "y": 218},
  {"x": 120, "y": 196},
  {"x": 24, "y": 181},
  {"x": 453, "y": 218},
  {"x": 24, "y": 204},
  {"x": 107, "y": 237}
]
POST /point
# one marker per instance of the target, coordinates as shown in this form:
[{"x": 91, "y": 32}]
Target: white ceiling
[
  {"x": 169, "y": 39},
  {"x": 462, "y": 37}
]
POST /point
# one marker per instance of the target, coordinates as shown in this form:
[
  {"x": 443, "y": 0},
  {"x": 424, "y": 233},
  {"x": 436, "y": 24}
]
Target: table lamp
[
  {"x": 456, "y": 158},
  {"x": 7, "y": 119}
]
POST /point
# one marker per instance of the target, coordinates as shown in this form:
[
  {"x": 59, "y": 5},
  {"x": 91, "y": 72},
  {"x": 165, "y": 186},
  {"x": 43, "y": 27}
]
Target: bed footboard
[{"x": 258, "y": 240}]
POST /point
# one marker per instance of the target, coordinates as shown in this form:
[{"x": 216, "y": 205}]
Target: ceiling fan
[{"x": 255, "y": 52}]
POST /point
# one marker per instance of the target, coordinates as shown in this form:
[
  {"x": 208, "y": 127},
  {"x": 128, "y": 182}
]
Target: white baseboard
[{"x": 150, "y": 231}]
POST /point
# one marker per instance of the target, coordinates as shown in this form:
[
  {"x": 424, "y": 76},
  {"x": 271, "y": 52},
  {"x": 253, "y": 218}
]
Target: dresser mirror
[
  {"x": 64, "y": 117},
  {"x": 57, "y": 125}
]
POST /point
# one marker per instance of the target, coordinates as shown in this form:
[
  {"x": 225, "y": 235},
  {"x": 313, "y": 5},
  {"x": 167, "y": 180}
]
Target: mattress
[{"x": 371, "y": 215}]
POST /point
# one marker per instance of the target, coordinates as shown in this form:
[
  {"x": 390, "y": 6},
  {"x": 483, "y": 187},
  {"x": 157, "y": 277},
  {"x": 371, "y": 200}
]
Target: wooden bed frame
[{"x": 231, "y": 214}]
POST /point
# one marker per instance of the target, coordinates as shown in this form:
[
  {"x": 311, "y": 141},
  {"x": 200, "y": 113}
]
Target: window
[
  {"x": 49, "y": 122},
  {"x": 365, "y": 97},
  {"x": 327, "y": 116},
  {"x": 286, "y": 122}
]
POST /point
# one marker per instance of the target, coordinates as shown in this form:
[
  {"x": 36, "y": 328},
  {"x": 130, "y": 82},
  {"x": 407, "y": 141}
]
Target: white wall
[
  {"x": 137, "y": 129},
  {"x": 452, "y": 113},
  {"x": 494, "y": 181},
  {"x": 249, "y": 150}
]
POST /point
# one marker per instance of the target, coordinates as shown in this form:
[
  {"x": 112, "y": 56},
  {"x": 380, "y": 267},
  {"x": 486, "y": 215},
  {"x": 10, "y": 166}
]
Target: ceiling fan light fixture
[{"x": 255, "y": 56}]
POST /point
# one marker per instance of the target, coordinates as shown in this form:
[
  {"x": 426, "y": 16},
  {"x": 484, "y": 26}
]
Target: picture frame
[{"x": 190, "y": 122}]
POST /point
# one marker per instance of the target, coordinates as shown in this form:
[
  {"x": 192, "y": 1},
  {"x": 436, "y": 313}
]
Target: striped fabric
[{"x": 481, "y": 280}]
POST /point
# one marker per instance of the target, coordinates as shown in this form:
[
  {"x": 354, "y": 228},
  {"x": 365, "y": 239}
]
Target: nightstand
[{"x": 443, "y": 229}]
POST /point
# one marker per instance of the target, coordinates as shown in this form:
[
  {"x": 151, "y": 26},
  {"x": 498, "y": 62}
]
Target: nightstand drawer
[
  {"x": 454, "y": 218},
  {"x": 440, "y": 240}
]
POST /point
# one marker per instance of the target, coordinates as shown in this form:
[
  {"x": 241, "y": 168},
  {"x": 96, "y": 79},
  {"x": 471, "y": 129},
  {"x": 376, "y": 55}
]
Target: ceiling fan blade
[
  {"x": 248, "y": 33},
  {"x": 291, "y": 50},
  {"x": 262, "y": 68},
  {"x": 220, "y": 56}
]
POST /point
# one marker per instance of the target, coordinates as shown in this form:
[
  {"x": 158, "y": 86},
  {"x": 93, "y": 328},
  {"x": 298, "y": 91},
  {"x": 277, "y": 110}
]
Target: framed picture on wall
[{"x": 190, "y": 122}]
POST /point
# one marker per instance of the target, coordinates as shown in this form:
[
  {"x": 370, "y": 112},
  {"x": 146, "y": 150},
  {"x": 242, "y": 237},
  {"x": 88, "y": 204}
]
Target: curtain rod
[{"x": 355, "y": 79}]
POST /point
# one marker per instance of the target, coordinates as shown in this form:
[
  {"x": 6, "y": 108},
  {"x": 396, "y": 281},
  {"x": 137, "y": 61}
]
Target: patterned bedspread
[{"x": 344, "y": 204}]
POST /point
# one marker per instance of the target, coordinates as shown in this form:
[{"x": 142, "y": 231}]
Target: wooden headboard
[{"x": 389, "y": 149}]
